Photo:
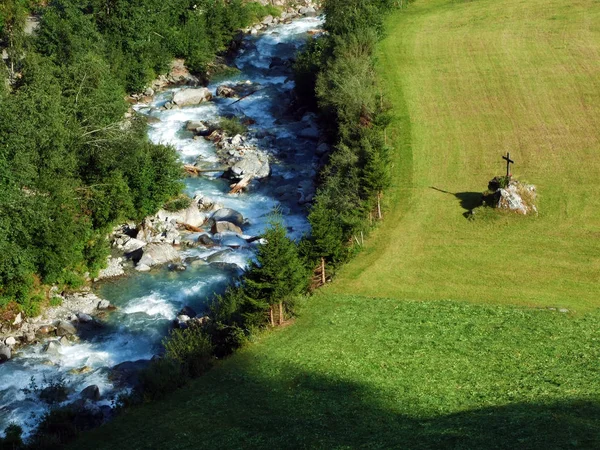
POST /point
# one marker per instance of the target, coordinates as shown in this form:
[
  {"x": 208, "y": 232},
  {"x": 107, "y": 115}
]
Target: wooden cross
[{"x": 508, "y": 163}]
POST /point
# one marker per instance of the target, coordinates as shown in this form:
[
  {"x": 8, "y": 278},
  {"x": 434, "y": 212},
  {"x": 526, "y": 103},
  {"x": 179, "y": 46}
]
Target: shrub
[
  {"x": 13, "y": 438},
  {"x": 178, "y": 203},
  {"x": 308, "y": 65},
  {"x": 254, "y": 12},
  {"x": 161, "y": 377},
  {"x": 191, "y": 348},
  {"x": 232, "y": 126},
  {"x": 56, "y": 428},
  {"x": 55, "y": 300}
]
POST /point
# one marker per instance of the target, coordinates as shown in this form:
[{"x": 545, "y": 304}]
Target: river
[{"x": 147, "y": 303}]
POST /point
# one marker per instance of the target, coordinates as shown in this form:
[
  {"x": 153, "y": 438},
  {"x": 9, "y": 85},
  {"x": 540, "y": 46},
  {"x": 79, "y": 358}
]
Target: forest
[{"x": 72, "y": 164}]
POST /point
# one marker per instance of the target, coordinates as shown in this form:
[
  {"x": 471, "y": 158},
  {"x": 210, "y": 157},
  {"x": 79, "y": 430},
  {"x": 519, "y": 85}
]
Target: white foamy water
[
  {"x": 152, "y": 305},
  {"x": 147, "y": 303}
]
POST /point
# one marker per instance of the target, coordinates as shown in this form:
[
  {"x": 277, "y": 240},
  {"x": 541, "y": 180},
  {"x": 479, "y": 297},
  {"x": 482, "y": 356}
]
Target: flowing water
[{"x": 148, "y": 302}]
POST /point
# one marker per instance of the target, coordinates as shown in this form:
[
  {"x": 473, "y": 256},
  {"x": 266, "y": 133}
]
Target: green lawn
[
  {"x": 469, "y": 81},
  {"x": 368, "y": 364},
  {"x": 376, "y": 373}
]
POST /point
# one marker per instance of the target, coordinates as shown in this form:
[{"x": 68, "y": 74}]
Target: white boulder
[{"x": 187, "y": 97}]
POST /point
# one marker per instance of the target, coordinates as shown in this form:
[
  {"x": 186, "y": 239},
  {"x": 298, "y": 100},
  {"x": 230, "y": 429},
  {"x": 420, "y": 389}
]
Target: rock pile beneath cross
[{"x": 511, "y": 195}]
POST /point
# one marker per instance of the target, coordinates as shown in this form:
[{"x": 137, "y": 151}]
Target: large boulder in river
[
  {"x": 226, "y": 91},
  {"x": 127, "y": 373},
  {"x": 64, "y": 328},
  {"x": 308, "y": 11},
  {"x": 222, "y": 226},
  {"x": 206, "y": 241},
  {"x": 228, "y": 215},
  {"x": 52, "y": 347},
  {"x": 91, "y": 392},
  {"x": 200, "y": 127},
  {"x": 157, "y": 254},
  {"x": 187, "y": 97},
  {"x": 132, "y": 245},
  {"x": 190, "y": 215},
  {"x": 310, "y": 132},
  {"x": 254, "y": 164}
]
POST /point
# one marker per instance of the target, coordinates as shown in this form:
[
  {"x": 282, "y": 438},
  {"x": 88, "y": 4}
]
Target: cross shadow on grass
[
  {"x": 468, "y": 200},
  {"x": 296, "y": 409}
]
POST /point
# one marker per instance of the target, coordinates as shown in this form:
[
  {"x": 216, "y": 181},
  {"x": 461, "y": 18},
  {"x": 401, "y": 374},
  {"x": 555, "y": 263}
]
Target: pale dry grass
[{"x": 469, "y": 82}]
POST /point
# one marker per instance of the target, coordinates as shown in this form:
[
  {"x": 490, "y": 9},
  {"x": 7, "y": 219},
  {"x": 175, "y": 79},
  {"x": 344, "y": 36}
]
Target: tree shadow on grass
[
  {"x": 468, "y": 200},
  {"x": 293, "y": 408}
]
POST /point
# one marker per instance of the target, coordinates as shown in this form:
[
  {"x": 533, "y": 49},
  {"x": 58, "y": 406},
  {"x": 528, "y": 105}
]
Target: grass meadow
[
  {"x": 356, "y": 372},
  {"x": 468, "y": 82}
]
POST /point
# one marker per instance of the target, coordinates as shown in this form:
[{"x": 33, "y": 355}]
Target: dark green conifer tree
[{"x": 278, "y": 273}]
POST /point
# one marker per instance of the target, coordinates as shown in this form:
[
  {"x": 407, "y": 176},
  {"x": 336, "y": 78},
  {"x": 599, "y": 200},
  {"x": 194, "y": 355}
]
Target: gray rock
[
  {"x": 199, "y": 127},
  {"x": 103, "y": 304},
  {"x": 187, "y": 311},
  {"x": 250, "y": 163},
  {"x": 228, "y": 215},
  {"x": 18, "y": 319},
  {"x": 237, "y": 140},
  {"x": 195, "y": 262},
  {"x": 193, "y": 125},
  {"x": 85, "y": 318},
  {"x": 218, "y": 256},
  {"x": 277, "y": 62},
  {"x": 5, "y": 353},
  {"x": 206, "y": 241},
  {"x": 157, "y": 254},
  {"x": 127, "y": 373},
  {"x": 186, "y": 97},
  {"x": 10, "y": 341},
  {"x": 143, "y": 268},
  {"x": 52, "y": 347},
  {"x": 309, "y": 133},
  {"x": 91, "y": 392},
  {"x": 113, "y": 269},
  {"x": 518, "y": 197},
  {"x": 46, "y": 330},
  {"x": 149, "y": 92},
  {"x": 230, "y": 267},
  {"x": 190, "y": 215},
  {"x": 308, "y": 11},
  {"x": 322, "y": 149},
  {"x": 222, "y": 226},
  {"x": 226, "y": 91},
  {"x": 177, "y": 267},
  {"x": 183, "y": 318},
  {"x": 563, "y": 310},
  {"x": 65, "y": 328},
  {"x": 132, "y": 245},
  {"x": 64, "y": 341},
  {"x": 267, "y": 20}
]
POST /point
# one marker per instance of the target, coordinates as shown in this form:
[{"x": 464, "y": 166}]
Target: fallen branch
[
  {"x": 189, "y": 227},
  {"x": 193, "y": 170},
  {"x": 247, "y": 95},
  {"x": 243, "y": 183}
]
